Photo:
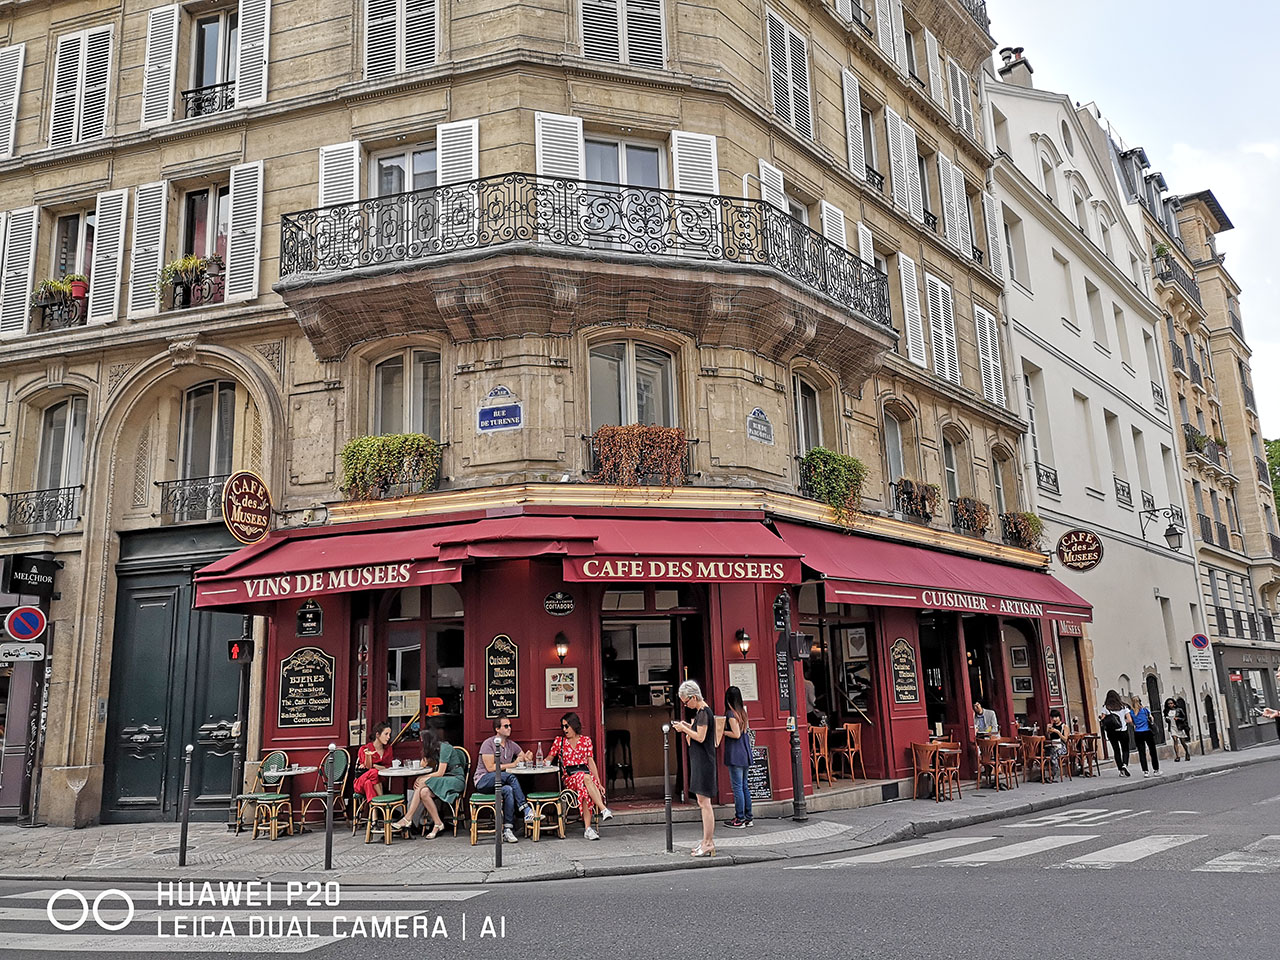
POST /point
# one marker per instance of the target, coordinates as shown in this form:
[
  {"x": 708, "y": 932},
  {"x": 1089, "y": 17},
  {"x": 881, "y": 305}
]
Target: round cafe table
[
  {"x": 537, "y": 801},
  {"x": 294, "y": 772}
]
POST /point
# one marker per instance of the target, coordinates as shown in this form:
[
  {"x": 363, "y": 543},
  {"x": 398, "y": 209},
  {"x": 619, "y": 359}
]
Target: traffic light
[
  {"x": 240, "y": 650},
  {"x": 781, "y": 613}
]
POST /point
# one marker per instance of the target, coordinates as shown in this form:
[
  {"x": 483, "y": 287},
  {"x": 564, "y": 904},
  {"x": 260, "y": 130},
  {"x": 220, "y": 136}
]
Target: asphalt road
[{"x": 1190, "y": 869}]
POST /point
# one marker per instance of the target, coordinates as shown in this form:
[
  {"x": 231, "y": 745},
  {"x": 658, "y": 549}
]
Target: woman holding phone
[
  {"x": 374, "y": 755},
  {"x": 701, "y": 735}
]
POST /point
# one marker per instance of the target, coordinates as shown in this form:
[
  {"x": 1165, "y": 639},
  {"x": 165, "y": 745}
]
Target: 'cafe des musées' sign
[
  {"x": 246, "y": 506},
  {"x": 1080, "y": 550}
]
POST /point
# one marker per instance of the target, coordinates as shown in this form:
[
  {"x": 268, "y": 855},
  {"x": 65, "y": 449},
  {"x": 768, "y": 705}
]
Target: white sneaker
[
  {"x": 509, "y": 836},
  {"x": 606, "y": 814},
  {"x": 1146, "y": 775},
  {"x": 590, "y": 834}
]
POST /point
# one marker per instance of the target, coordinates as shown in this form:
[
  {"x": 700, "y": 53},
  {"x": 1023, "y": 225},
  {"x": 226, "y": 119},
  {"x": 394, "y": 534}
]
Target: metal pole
[
  {"x": 329, "y": 766},
  {"x": 238, "y": 748},
  {"x": 497, "y": 802},
  {"x": 1195, "y": 701},
  {"x": 799, "y": 811},
  {"x": 666, "y": 780},
  {"x": 46, "y": 674},
  {"x": 186, "y": 805}
]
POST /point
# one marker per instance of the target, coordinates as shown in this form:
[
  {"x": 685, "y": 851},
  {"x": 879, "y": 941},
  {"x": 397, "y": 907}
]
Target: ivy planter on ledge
[
  {"x": 639, "y": 454},
  {"x": 398, "y": 465},
  {"x": 1022, "y": 530},
  {"x": 835, "y": 479},
  {"x": 916, "y": 499},
  {"x": 970, "y": 515}
]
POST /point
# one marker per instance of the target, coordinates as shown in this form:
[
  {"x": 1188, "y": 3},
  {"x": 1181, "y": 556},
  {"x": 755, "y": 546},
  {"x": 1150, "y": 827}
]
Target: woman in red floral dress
[
  {"x": 578, "y": 755},
  {"x": 373, "y": 755}
]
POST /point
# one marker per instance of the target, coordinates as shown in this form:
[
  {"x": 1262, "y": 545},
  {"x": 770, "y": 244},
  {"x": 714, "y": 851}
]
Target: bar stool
[{"x": 617, "y": 746}]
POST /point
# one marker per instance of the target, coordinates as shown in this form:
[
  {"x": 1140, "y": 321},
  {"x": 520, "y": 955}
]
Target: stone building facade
[{"x": 763, "y": 224}]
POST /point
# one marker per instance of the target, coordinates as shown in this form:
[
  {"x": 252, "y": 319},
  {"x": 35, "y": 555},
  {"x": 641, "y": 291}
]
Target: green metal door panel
[{"x": 213, "y": 688}]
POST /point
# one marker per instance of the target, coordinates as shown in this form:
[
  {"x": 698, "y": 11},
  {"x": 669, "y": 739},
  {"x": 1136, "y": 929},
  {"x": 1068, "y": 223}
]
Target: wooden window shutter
[
  {"x": 913, "y": 322},
  {"x": 159, "y": 73},
  {"x": 934, "y": 58},
  {"x": 988, "y": 330},
  {"x": 601, "y": 30},
  {"x": 899, "y": 35},
  {"x": 17, "y": 269},
  {"x": 94, "y": 84},
  {"x": 964, "y": 219},
  {"x": 421, "y": 33},
  {"x": 646, "y": 46},
  {"x": 66, "y": 90},
  {"x": 845, "y": 9},
  {"x": 853, "y": 124},
  {"x": 779, "y": 70},
  {"x": 911, "y": 159},
  {"x": 941, "y": 327},
  {"x": 381, "y": 39},
  {"x": 949, "y": 331},
  {"x": 458, "y": 147},
  {"x": 866, "y": 245},
  {"x": 694, "y": 162},
  {"x": 108, "y": 255},
  {"x": 961, "y": 97},
  {"x": 898, "y": 174},
  {"x": 559, "y": 148},
  {"x": 800, "y": 100},
  {"x": 254, "y": 53},
  {"x": 995, "y": 249},
  {"x": 12, "y": 60},
  {"x": 150, "y": 212},
  {"x": 946, "y": 186},
  {"x": 884, "y": 29},
  {"x": 244, "y": 241},
  {"x": 773, "y": 189},
  {"x": 339, "y": 173},
  {"x": 833, "y": 226}
]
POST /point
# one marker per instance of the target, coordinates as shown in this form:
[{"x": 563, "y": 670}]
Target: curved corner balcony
[{"x": 519, "y": 254}]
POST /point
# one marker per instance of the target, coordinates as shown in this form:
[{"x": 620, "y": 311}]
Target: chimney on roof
[{"x": 1016, "y": 68}]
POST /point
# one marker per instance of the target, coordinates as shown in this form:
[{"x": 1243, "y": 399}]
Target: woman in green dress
[{"x": 442, "y": 786}]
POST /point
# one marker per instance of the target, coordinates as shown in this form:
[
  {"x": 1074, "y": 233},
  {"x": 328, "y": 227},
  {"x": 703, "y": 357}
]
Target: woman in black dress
[{"x": 701, "y": 735}]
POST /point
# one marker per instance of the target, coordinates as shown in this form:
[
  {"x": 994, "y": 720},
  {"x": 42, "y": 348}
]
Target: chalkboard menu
[
  {"x": 906, "y": 680},
  {"x": 306, "y": 689},
  {"x": 501, "y": 678},
  {"x": 1051, "y": 667},
  {"x": 759, "y": 784},
  {"x": 782, "y": 655}
]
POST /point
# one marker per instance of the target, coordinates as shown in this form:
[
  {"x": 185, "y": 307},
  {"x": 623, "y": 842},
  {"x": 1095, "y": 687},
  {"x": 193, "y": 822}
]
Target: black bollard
[
  {"x": 666, "y": 780},
  {"x": 497, "y": 808},
  {"x": 186, "y": 806},
  {"x": 329, "y": 765}
]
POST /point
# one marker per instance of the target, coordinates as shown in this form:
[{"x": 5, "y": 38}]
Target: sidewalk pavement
[{"x": 149, "y": 852}]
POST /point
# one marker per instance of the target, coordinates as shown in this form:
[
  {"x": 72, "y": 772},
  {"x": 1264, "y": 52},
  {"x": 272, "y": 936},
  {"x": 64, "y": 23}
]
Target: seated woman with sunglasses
[{"x": 578, "y": 755}]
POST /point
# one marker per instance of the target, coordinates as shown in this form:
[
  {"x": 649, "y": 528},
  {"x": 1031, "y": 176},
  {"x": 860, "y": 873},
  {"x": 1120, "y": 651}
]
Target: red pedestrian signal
[{"x": 240, "y": 651}]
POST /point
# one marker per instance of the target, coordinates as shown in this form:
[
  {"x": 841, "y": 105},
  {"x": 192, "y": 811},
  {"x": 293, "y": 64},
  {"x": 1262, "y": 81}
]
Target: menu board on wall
[
  {"x": 759, "y": 783},
  {"x": 501, "y": 678},
  {"x": 1051, "y": 668},
  {"x": 306, "y": 689},
  {"x": 906, "y": 678}
]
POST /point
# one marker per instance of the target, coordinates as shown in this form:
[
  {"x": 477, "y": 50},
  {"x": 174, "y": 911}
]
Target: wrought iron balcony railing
[
  {"x": 1264, "y": 470},
  {"x": 1169, "y": 270},
  {"x": 1268, "y": 627},
  {"x": 1236, "y": 325},
  {"x": 1046, "y": 477},
  {"x": 911, "y": 499},
  {"x": 647, "y": 471},
  {"x": 1124, "y": 493},
  {"x": 1148, "y": 501},
  {"x": 977, "y": 256},
  {"x": 970, "y": 516},
  {"x": 931, "y": 220},
  {"x": 1275, "y": 546},
  {"x": 524, "y": 208},
  {"x": 1157, "y": 394},
  {"x": 200, "y": 293},
  {"x": 978, "y": 10},
  {"x": 1206, "y": 528},
  {"x": 64, "y": 314},
  {"x": 195, "y": 498},
  {"x": 54, "y": 510},
  {"x": 1196, "y": 376},
  {"x": 1014, "y": 532},
  {"x": 214, "y": 98},
  {"x": 1179, "y": 361},
  {"x": 1220, "y": 620},
  {"x": 1221, "y": 535},
  {"x": 875, "y": 178},
  {"x": 1249, "y": 400}
]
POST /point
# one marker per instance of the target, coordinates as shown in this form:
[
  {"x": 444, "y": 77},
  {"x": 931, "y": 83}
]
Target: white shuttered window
[
  {"x": 16, "y": 269},
  {"x": 11, "y": 63},
  {"x": 559, "y": 147},
  {"x": 911, "y": 156},
  {"x": 400, "y": 35},
  {"x": 995, "y": 233},
  {"x": 624, "y": 31},
  {"x": 244, "y": 241},
  {"x": 694, "y": 162},
  {"x": 150, "y": 210},
  {"x": 988, "y": 330},
  {"x": 866, "y": 245},
  {"x": 934, "y": 59},
  {"x": 853, "y": 124},
  {"x": 833, "y": 226},
  {"x": 160, "y": 69},
  {"x": 899, "y": 168},
  {"x": 773, "y": 189},
  {"x": 339, "y": 173},
  {"x": 254, "y": 52},
  {"x": 789, "y": 73},
  {"x": 961, "y": 97},
  {"x": 942, "y": 328},
  {"x": 81, "y": 75},
  {"x": 108, "y": 255},
  {"x": 912, "y": 321}
]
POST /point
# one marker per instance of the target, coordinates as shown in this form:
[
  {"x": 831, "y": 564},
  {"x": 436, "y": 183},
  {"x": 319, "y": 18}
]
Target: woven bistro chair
[
  {"x": 1087, "y": 753},
  {"x": 341, "y": 764},
  {"x": 265, "y": 785},
  {"x": 852, "y": 749},
  {"x": 924, "y": 762},
  {"x": 381, "y": 814},
  {"x": 820, "y": 753}
]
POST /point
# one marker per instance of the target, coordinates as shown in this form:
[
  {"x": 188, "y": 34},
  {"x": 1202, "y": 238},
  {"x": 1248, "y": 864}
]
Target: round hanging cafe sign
[
  {"x": 246, "y": 506},
  {"x": 1080, "y": 550}
]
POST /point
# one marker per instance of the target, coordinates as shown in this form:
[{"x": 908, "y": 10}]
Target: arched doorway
[{"x": 1153, "y": 702}]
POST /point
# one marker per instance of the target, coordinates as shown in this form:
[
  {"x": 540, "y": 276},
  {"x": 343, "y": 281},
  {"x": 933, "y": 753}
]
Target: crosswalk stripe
[
  {"x": 348, "y": 896},
  {"x": 1260, "y": 857},
  {"x": 69, "y": 916},
  {"x": 899, "y": 853},
  {"x": 1014, "y": 851},
  {"x": 1132, "y": 851},
  {"x": 130, "y": 945}
]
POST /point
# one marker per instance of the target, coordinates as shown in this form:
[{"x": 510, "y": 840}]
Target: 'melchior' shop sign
[
  {"x": 306, "y": 689},
  {"x": 501, "y": 677}
]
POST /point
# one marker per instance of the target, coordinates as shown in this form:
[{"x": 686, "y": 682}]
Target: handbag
[{"x": 1111, "y": 723}]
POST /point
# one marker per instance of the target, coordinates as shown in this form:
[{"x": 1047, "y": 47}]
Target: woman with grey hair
[{"x": 701, "y": 735}]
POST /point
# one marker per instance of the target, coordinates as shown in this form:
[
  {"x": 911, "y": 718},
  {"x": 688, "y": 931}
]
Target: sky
[{"x": 1195, "y": 87}]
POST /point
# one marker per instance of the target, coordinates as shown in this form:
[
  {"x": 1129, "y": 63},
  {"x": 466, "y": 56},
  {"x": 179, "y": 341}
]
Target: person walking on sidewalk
[
  {"x": 1115, "y": 720},
  {"x": 1175, "y": 721},
  {"x": 1144, "y": 732},
  {"x": 737, "y": 756},
  {"x": 701, "y": 735}
]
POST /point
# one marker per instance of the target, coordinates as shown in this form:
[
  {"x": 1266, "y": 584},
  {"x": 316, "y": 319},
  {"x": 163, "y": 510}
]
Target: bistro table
[
  {"x": 295, "y": 771},
  {"x": 540, "y": 800}
]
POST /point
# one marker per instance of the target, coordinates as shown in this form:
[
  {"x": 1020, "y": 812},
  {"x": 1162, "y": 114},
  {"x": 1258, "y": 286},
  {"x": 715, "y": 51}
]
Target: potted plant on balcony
[
  {"x": 50, "y": 292},
  {"x": 79, "y": 285},
  {"x": 628, "y": 455},
  {"x": 973, "y": 515},
  {"x": 187, "y": 273},
  {"x": 1198, "y": 441},
  {"x": 917, "y": 498},
  {"x": 836, "y": 479},
  {"x": 401, "y": 464},
  {"x": 1023, "y": 529}
]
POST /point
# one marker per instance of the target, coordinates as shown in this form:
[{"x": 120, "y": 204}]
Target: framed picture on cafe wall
[
  {"x": 1018, "y": 657},
  {"x": 1023, "y": 685},
  {"x": 562, "y": 687}
]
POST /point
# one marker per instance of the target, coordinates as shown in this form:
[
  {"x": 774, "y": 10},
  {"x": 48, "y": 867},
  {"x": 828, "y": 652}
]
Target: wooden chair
[
  {"x": 987, "y": 761},
  {"x": 852, "y": 749},
  {"x": 477, "y": 804},
  {"x": 341, "y": 764},
  {"x": 819, "y": 752},
  {"x": 924, "y": 762},
  {"x": 265, "y": 785},
  {"x": 383, "y": 809},
  {"x": 1008, "y": 753},
  {"x": 948, "y": 767},
  {"x": 1086, "y": 752},
  {"x": 551, "y": 809},
  {"x": 1034, "y": 752},
  {"x": 1065, "y": 762}
]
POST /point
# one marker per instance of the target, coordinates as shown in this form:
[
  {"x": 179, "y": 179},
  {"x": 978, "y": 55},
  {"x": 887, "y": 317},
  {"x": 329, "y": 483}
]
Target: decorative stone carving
[
  {"x": 117, "y": 372},
  {"x": 182, "y": 350},
  {"x": 273, "y": 353}
]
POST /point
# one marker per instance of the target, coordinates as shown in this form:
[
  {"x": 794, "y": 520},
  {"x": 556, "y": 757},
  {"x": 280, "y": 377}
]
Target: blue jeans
[
  {"x": 741, "y": 795},
  {"x": 512, "y": 796}
]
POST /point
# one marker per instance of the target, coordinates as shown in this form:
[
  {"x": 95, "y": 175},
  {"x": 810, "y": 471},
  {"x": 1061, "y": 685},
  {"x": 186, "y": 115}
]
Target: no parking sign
[{"x": 25, "y": 623}]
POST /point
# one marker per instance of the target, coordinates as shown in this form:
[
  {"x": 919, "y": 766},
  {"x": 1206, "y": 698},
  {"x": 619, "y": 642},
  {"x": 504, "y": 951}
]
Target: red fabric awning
[
  {"x": 500, "y": 538},
  {"x": 882, "y": 573},
  {"x": 684, "y": 551}
]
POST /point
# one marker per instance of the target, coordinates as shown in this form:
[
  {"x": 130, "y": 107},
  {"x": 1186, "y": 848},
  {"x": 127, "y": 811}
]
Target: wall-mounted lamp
[
  {"x": 562, "y": 647},
  {"x": 744, "y": 641},
  {"x": 1172, "y": 533}
]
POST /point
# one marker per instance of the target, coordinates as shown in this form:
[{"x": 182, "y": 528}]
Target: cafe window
[
  {"x": 631, "y": 383},
  {"x": 424, "y": 658},
  {"x": 407, "y": 402},
  {"x": 808, "y": 416},
  {"x": 208, "y": 429},
  {"x": 73, "y": 244}
]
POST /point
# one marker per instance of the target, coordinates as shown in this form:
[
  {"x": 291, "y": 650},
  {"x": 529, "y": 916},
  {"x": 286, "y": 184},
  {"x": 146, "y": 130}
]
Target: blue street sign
[
  {"x": 1200, "y": 641},
  {"x": 25, "y": 623}
]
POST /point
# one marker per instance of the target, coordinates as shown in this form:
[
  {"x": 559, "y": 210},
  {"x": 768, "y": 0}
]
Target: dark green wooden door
[{"x": 171, "y": 685}]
